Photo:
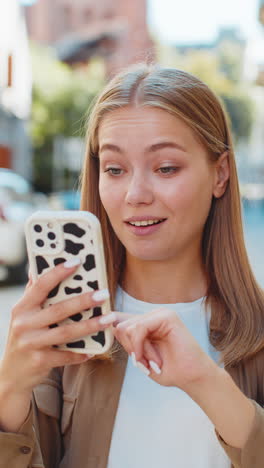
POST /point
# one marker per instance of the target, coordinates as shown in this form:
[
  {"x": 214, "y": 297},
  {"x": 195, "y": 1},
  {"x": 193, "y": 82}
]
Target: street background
[{"x": 55, "y": 56}]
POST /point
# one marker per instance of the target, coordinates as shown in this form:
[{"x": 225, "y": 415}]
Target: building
[
  {"x": 15, "y": 89},
  {"x": 113, "y": 29},
  {"x": 227, "y": 35}
]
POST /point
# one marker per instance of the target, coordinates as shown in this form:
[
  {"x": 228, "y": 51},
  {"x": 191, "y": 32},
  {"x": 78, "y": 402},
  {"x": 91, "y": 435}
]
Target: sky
[{"x": 185, "y": 21}]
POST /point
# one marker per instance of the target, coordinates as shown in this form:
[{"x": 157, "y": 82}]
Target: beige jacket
[{"x": 72, "y": 417}]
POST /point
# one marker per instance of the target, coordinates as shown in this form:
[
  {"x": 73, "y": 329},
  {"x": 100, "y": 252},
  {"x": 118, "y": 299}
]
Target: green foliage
[
  {"x": 205, "y": 66},
  {"x": 240, "y": 109},
  {"x": 61, "y": 99},
  {"x": 221, "y": 71},
  {"x": 62, "y": 95},
  {"x": 230, "y": 62}
]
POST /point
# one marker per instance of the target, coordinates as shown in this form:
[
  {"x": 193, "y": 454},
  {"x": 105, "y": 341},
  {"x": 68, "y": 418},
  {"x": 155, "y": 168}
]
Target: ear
[{"x": 221, "y": 175}]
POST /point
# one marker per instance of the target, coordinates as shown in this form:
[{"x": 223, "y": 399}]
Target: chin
[{"x": 148, "y": 255}]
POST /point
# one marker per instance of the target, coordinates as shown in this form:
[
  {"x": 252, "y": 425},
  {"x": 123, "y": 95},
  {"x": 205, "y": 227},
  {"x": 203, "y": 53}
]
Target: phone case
[{"x": 56, "y": 236}]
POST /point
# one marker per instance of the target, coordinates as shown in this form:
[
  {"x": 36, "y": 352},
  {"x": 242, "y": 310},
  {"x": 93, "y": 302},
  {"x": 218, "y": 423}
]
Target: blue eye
[
  {"x": 168, "y": 169},
  {"x": 114, "y": 171}
]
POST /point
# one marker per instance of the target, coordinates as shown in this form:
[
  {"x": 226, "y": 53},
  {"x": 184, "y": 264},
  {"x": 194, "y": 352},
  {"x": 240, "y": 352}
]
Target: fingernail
[
  {"x": 108, "y": 318},
  {"x": 133, "y": 357},
  {"x": 101, "y": 295},
  {"x": 154, "y": 366},
  {"x": 72, "y": 262},
  {"x": 90, "y": 356},
  {"x": 144, "y": 369}
]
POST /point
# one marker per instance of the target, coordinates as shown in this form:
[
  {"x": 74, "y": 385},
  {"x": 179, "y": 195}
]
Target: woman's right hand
[{"x": 30, "y": 354}]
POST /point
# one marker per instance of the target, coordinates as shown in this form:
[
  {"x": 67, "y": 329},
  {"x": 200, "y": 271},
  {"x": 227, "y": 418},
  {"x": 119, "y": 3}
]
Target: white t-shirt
[{"x": 162, "y": 427}]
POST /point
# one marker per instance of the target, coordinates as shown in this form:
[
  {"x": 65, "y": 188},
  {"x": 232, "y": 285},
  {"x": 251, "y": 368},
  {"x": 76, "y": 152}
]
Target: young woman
[{"x": 160, "y": 174}]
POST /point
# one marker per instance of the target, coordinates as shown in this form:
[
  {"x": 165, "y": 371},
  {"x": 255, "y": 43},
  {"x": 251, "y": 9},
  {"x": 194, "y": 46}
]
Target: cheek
[
  {"x": 110, "y": 197},
  {"x": 192, "y": 196},
  {"x": 103, "y": 191},
  {"x": 200, "y": 201}
]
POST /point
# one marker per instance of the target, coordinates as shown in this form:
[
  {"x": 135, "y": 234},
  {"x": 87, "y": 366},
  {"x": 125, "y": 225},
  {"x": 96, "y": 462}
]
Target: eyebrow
[{"x": 150, "y": 149}]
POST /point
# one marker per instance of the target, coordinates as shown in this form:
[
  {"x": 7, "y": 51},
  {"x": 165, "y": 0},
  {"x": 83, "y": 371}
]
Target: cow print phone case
[{"x": 56, "y": 236}]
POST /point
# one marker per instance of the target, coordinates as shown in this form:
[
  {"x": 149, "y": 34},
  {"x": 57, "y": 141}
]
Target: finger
[
  {"x": 39, "y": 291},
  {"x": 124, "y": 320},
  {"x": 139, "y": 331},
  {"x": 30, "y": 280},
  {"x": 136, "y": 334},
  {"x": 66, "y": 333},
  {"x": 121, "y": 334},
  {"x": 156, "y": 325},
  {"x": 44, "y": 360},
  {"x": 30, "y": 275},
  {"x": 139, "y": 363},
  {"x": 64, "y": 358},
  {"x": 119, "y": 317},
  {"x": 64, "y": 309},
  {"x": 29, "y": 283},
  {"x": 152, "y": 356},
  {"x": 151, "y": 359},
  {"x": 122, "y": 339}
]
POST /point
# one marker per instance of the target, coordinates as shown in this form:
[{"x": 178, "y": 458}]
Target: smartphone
[{"x": 53, "y": 237}]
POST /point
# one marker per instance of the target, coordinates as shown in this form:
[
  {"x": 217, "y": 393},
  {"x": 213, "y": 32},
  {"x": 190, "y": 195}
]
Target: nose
[{"x": 139, "y": 191}]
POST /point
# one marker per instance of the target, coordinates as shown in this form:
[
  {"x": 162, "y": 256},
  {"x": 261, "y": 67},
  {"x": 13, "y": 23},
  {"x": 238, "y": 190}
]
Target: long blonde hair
[{"x": 235, "y": 298}]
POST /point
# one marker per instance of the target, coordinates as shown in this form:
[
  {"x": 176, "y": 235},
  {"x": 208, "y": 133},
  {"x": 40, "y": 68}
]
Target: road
[{"x": 8, "y": 297}]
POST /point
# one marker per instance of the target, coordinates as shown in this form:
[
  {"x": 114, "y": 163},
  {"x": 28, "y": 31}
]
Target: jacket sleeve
[
  {"x": 252, "y": 454},
  {"x": 37, "y": 443},
  {"x": 16, "y": 449}
]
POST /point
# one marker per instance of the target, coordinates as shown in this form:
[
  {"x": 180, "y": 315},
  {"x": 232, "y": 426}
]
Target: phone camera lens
[
  {"x": 51, "y": 235},
  {"x": 53, "y": 246},
  {"x": 40, "y": 243},
  {"x": 37, "y": 228}
]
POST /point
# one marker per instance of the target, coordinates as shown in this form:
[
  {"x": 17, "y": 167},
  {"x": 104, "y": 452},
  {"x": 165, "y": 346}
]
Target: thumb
[{"x": 30, "y": 280}]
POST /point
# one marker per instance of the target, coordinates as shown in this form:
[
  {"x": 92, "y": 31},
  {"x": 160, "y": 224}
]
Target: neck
[{"x": 169, "y": 282}]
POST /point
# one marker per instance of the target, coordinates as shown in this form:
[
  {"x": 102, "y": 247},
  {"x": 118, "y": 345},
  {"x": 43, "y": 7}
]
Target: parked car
[{"x": 17, "y": 202}]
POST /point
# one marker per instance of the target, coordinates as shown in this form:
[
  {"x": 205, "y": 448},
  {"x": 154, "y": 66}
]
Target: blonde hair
[{"x": 235, "y": 298}]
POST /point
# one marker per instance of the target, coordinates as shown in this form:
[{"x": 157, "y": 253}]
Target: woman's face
[{"x": 156, "y": 183}]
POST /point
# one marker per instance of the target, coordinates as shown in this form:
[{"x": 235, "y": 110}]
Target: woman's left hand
[{"x": 161, "y": 337}]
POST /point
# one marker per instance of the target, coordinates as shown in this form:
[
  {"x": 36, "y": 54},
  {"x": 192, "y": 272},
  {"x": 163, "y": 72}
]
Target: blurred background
[{"x": 55, "y": 56}]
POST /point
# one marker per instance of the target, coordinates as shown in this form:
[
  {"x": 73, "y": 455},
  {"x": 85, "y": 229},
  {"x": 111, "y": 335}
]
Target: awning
[{"x": 100, "y": 40}]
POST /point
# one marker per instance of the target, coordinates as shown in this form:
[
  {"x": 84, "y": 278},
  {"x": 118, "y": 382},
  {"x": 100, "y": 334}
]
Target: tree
[
  {"x": 240, "y": 108},
  {"x": 220, "y": 71},
  {"x": 61, "y": 100}
]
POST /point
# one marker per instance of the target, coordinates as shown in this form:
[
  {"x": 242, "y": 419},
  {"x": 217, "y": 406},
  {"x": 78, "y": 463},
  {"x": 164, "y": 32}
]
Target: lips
[
  {"x": 135, "y": 219},
  {"x": 147, "y": 229},
  {"x": 145, "y": 223}
]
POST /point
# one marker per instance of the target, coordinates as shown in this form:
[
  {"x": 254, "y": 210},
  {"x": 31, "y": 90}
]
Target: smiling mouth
[{"x": 145, "y": 224}]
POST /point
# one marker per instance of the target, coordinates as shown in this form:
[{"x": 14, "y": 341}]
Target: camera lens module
[
  {"x": 51, "y": 235},
  {"x": 37, "y": 228},
  {"x": 40, "y": 243}
]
